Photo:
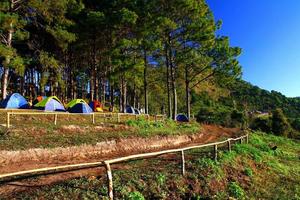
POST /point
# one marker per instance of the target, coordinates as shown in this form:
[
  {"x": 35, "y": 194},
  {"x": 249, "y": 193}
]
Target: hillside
[{"x": 249, "y": 171}]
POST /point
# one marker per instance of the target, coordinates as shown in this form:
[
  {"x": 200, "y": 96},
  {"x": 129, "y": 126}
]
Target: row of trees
[{"x": 150, "y": 54}]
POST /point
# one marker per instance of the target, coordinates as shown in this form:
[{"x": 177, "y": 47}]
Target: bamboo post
[
  {"x": 135, "y": 116},
  {"x": 55, "y": 119},
  {"x": 7, "y": 120},
  {"x": 93, "y": 118},
  {"x": 229, "y": 145},
  {"x": 216, "y": 152},
  {"x": 241, "y": 140},
  {"x": 119, "y": 119},
  {"x": 247, "y": 138},
  {"x": 183, "y": 163},
  {"x": 109, "y": 181}
]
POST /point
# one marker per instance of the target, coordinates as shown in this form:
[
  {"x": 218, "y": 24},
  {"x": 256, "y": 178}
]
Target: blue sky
[{"x": 268, "y": 31}]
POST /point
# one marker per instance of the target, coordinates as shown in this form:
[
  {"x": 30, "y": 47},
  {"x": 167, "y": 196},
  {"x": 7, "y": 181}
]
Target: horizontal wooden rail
[{"x": 153, "y": 154}]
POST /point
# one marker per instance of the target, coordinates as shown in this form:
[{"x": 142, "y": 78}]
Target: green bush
[
  {"x": 280, "y": 124},
  {"x": 296, "y": 124},
  {"x": 236, "y": 191},
  {"x": 135, "y": 196},
  {"x": 248, "y": 171},
  {"x": 238, "y": 119},
  {"x": 261, "y": 124}
]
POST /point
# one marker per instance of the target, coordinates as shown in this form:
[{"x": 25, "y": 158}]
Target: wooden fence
[
  {"x": 116, "y": 117},
  {"x": 107, "y": 163}
]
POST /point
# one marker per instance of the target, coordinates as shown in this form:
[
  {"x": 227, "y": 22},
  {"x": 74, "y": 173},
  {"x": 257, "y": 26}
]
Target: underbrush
[
  {"x": 250, "y": 171},
  {"x": 167, "y": 127}
]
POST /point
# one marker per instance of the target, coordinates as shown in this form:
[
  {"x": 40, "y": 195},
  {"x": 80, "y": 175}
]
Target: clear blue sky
[{"x": 268, "y": 31}]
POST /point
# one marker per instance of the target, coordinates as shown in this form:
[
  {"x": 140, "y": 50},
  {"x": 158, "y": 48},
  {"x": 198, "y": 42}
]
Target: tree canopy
[{"x": 148, "y": 54}]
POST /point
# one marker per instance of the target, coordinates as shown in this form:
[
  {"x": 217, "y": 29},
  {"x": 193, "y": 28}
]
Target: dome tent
[
  {"x": 182, "y": 118},
  {"x": 73, "y": 102},
  {"x": 50, "y": 104},
  {"x": 79, "y": 106},
  {"x": 129, "y": 109},
  {"x": 96, "y": 106},
  {"x": 137, "y": 111},
  {"x": 39, "y": 99},
  {"x": 14, "y": 101}
]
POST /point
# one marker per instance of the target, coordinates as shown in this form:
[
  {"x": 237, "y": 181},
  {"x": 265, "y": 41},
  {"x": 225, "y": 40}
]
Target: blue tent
[
  {"x": 50, "y": 104},
  {"x": 137, "y": 111},
  {"x": 14, "y": 101},
  {"x": 130, "y": 109},
  {"x": 80, "y": 108},
  {"x": 182, "y": 118}
]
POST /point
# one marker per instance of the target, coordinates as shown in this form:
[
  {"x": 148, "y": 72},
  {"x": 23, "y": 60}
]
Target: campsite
[{"x": 149, "y": 99}]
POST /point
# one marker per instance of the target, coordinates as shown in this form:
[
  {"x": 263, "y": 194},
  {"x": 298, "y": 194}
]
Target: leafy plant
[{"x": 236, "y": 191}]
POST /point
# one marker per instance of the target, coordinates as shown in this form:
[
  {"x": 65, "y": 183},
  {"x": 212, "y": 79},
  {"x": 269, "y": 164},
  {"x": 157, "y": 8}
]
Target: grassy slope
[
  {"x": 43, "y": 134},
  {"x": 250, "y": 171}
]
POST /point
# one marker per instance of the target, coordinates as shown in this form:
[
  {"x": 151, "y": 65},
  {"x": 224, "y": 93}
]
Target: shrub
[
  {"x": 280, "y": 125},
  {"x": 296, "y": 124},
  {"x": 236, "y": 191},
  {"x": 248, "y": 171},
  {"x": 261, "y": 124},
  {"x": 135, "y": 196},
  {"x": 238, "y": 119}
]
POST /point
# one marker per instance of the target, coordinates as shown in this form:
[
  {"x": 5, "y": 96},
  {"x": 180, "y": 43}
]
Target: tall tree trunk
[
  {"x": 174, "y": 92},
  {"x": 123, "y": 94},
  {"x": 173, "y": 82},
  {"x": 187, "y": 93},
  {"x": 168, "y": 82},
  {"x": 6, "y": 69},
  {"x": 96, "y": 87},
  {"x": 146, "y": 83}
]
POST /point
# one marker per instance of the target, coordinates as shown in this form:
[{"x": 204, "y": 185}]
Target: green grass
[
  {"x": 47, "y": 135},
  {"x": 249, "y": 171}
]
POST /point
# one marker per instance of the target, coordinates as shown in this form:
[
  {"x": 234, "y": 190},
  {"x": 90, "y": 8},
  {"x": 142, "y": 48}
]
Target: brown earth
[{"x": 13, "y": 161}]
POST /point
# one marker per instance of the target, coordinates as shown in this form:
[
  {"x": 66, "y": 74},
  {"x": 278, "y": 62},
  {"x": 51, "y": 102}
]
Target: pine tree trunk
[
  {"x": 174, "y": 92},
  {"x": 6, "y": 69},
  {"x": 146, "y": 82},
  {"x": 168, "y": 83},
  {"x": 173, "y": 83},
  {"x": 187, "y": 94}
]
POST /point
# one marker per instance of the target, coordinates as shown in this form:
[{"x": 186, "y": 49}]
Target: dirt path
[{"x": 12, "y": 161}]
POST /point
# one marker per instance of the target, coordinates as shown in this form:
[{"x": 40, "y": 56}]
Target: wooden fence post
[
  {"x": 93, "y": 118},
  {"x": 216, "y": 152},
  {"x": 241, "y": 140},
  {"x": 155, "y": 118},
  {"x": 247, "y": 138},
  {"x": 183, "y": 163},
  {"x": 119, "y": 119},
  {"x": 109, "y": 181},
  {"x": 55, "y": 119},
  {"x": 7, "y": 120},
  {"x": 229, "y": 145}
]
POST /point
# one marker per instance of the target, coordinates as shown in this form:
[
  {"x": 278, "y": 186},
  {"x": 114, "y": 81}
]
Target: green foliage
[
  {"x": 248, "y": 171},
  {"x": 261, "y": 124},
  {"x": 280, "y": 125},
  {"x": 236, "y": 191},
  {"x": 135, "y": 196}
]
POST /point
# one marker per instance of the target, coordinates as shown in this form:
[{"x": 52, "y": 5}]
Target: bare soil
[{"x": 13, "y": 161}]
